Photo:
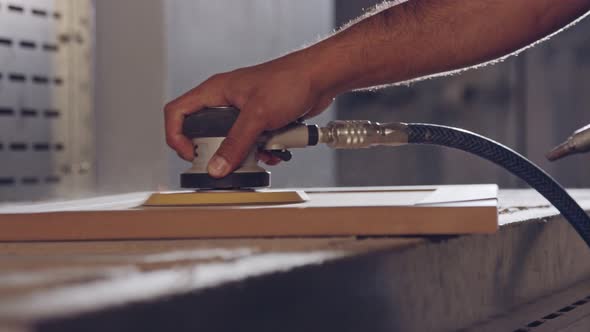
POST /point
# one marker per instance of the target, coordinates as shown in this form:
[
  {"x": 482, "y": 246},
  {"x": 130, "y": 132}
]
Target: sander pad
[
  {"x": 237, "y": 197},
  {"x": 232, "y": 181}
]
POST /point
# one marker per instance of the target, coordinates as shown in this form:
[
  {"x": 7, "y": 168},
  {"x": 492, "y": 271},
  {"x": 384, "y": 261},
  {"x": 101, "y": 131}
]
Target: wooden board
[{"x": 329, "y": 212}]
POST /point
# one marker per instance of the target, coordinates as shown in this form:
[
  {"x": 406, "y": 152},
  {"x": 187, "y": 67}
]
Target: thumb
[{"x": 239, "y": 141}]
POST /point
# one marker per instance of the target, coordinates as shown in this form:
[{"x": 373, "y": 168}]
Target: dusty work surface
[
  {"x": 295, "y": 284},
  {"x": 459, "y": 209}
]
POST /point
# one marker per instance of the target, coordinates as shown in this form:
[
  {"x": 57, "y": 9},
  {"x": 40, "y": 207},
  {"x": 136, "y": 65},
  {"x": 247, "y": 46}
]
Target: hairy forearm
[{"x": 420, "y": 38}]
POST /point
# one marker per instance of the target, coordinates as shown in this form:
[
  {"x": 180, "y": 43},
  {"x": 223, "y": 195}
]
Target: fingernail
[
  {"x": 218, "y": 166},
  {"x": 185, "y": 156},
  {"x": 190, "y": 156}
]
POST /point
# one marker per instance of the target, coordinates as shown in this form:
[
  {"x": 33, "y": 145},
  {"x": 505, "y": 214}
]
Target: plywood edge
[{"x": 197, "y": 223}]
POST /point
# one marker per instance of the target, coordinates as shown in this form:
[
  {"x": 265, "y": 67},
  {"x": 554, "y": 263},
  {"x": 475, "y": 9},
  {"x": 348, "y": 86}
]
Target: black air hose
[{"x": 511, "y": 161}]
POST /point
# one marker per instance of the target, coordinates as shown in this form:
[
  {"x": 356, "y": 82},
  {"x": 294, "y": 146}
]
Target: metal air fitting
[{"x": 357, "y": 134}]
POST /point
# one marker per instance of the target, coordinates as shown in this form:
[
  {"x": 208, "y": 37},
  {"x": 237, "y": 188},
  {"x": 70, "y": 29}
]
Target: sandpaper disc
[
  {"x": 235, "y": 197},
  {"x": 232, "y": 181}
]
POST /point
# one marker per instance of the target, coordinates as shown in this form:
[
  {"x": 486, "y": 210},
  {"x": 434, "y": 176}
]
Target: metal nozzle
[
  {"x": 352, "y": 134},
  {"x": 363, "y": 134},
  {"x": 577, "y": 143}
]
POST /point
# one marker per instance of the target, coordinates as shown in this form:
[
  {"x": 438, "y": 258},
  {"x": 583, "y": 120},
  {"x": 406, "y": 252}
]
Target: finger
[
  {"x": 175, "y": 112},
  {"x": 238, "y": 143},
  {"x": 263, "y": 156},
  {"x": 180, "y": 156},
  {"x": 273, "y": 161},
  {"x": 319, "y": 107},
  {"x": 267, "y": 158},
  {"x": 174, "y": 137}
]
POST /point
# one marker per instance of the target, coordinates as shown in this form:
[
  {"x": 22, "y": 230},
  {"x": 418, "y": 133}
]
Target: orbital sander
[{"x": 207, "y": 129}]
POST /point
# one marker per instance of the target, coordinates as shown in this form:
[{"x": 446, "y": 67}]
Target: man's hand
[{"x": 269, "y": 96}]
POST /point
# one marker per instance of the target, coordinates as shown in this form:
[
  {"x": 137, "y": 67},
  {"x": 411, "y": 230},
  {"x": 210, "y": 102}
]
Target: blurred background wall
[
  {"x": 130, "y": 94},
  {"x": 530, "y": 103},
  {"x": 121, "y": 61},
  {"x": 46, "y": 109}
]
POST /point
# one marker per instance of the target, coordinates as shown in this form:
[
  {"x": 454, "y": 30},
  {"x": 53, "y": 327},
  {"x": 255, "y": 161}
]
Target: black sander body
[{"x": 206, "y": 129}]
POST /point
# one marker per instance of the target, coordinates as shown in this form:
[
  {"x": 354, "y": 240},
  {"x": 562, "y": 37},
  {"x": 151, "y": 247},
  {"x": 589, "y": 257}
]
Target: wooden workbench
[{"x": 296, "y": 284}]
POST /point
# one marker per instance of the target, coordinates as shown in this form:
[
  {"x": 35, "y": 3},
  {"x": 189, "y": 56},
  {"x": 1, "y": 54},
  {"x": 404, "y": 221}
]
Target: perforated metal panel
[{"x": 45, "y": 98}]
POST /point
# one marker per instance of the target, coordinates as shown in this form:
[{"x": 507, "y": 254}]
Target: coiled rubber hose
[{"x": 511, "y": 161}]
